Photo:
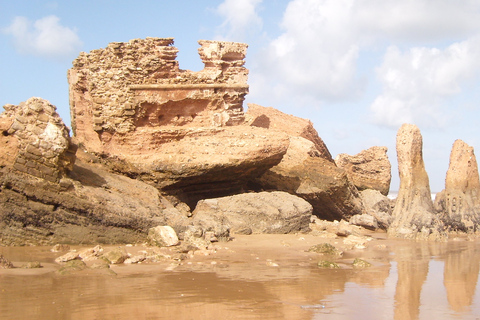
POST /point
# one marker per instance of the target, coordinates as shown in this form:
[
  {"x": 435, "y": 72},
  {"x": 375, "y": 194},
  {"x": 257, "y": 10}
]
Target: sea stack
[
  {"x": 461, "y": 205},
  {"x": 414, "y": 214}
]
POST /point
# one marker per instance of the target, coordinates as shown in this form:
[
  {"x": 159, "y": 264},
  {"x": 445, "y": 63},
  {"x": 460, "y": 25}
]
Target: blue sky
[{"x": 357, "y": 69}]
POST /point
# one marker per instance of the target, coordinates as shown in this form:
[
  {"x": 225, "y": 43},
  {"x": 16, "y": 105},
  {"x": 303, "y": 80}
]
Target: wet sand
[{"x": 255, "y": 277}]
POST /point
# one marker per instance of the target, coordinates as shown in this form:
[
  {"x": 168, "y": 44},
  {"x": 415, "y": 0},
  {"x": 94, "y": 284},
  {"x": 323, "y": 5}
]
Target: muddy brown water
[{"x": 255, "y": 277}]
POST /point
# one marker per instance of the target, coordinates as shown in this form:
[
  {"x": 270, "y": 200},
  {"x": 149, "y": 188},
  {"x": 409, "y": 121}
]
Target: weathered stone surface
[
  {"x": 364, "y": 220},
  {"x": 97, "y": 207},
  {"x": 378, "y": 206},
  {"x": 414, "y": 211},
  {"x": 44, "y": 148},
  {"x": 116, "y": 256},
  {"x": 369, "y": 169},
  {"x": 263, "y": 212},
  {"x": 72, "y": 255},
  {"x": 138, "y": 84},
  {"x": 305, "y": 173},
  {"x": 130, "y": 100},
  {"x": 460, "y": 201},
  {"x": 163, "y": 236},
  {"x": 273, "y": 119}
]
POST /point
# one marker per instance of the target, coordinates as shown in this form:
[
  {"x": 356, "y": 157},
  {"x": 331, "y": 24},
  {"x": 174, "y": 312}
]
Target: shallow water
[{"x": 408, "y": 280}]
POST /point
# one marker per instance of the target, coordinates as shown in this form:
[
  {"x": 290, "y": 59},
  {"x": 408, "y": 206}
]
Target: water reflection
[{"x": 405, "y": 282}]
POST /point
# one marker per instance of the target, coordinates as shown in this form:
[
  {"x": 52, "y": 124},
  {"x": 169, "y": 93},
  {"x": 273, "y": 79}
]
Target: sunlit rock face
[
  {"x": 460, "y": 201},
  {"x": 414, "y": 215},
  {"x": 35, "y": 140},
  {"x": 181, "y": 130},
  {"x": 369, "y": 169}
]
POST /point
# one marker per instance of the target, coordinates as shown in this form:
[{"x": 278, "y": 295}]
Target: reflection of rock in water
[
  {"x": 461, "y": 276},
  {"x": 412, "y": 269}
]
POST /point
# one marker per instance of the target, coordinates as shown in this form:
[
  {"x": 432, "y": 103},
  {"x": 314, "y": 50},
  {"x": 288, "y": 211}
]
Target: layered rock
[
  {"x": 263, "y": 212},
  {"x": 273, "y": 119},
  {"x": 460, "y": 201},
  {"x": 305, "y": 173},
  {"x": 138, "y": 85},
  {"x": 177, "y": 129},
  {"x": 369, "y": 169},
  {"x": 36, "y": 140},
  {"x": 89, "y": 206},
  {"x": 414, "y": 211}
]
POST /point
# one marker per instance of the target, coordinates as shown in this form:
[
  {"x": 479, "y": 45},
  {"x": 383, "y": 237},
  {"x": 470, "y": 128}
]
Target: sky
[{"x": 358, "y": 69}]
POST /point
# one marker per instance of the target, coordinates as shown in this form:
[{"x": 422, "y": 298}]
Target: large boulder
[
  {"x": 414, "y": 211},
  {"x": 369, "y": 169},
  {"x": 263, "y": 212},
  {"x": 459, "y": 203},
  {"x": 305, "y": 173}
]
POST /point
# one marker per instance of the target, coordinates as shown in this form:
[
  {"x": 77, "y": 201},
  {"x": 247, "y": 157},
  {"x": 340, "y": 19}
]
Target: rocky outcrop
[
  {"x": 305, "y": 173},
  {"x": 460, "y": 201},
  {"x": 273, "y": 119},
  {"x": 414, "y": 215},
  {"x": 90, "y": 205},
  {"x": 369, "y": 169},
  {"x": 138, "y": 84},
  {"x": 263, "y": 212},
  {"x": 41, "y": 139},
  {"x": 130, "y": 100}
]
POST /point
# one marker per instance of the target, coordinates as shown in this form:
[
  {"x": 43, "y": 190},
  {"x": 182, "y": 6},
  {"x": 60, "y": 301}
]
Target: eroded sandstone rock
[
  {"x": 378, "y": 206},
  {"x": 460, "y": 201},
  {"x": 263, "y": 212},
  {"x": 42, "y": 140},
  {"x": 414, "y": 211},
  {"x": 303, "y": 172},
  {"x": 273, "y": 119},
  {"x": 177, "y": 129},
  {"x": 369, "y": 169}
]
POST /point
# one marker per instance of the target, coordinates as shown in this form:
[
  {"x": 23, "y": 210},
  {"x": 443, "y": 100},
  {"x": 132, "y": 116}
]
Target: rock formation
[
  {"x": 307, "y": 169},
  {"x": 460, "y": 201},
  {"x": 414, "y": 211},
  {"x": 369, "y": 169},
  {"x": 41, "y": 141},
  {"x": 263, "y": 212},
  {"x": 131, "y": 100},
  {"x": 273, "y": 119}
]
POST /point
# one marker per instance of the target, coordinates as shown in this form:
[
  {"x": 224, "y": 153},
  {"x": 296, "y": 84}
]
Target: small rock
[
  {"x": 327, "y": 264},
  {"x": 326, "y": 249},
  {"x": 163, "y": 236},
  {"x": 32, "y": 265},
  {"x": 4, "y": 263},
  {"x": 69, "y": 256},
  {"x": 359, "y": 263},
  {"x": 116, "y": 256},
  {"x": 135, "y": 259},
  {"x": 364, "y": 220},
  {"x": 91, "y": 253}
]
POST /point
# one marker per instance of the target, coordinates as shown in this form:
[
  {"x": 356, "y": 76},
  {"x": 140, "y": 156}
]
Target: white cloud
[
  {"x": 316, "y": 58},
  {"x": 417, "y": 82},
  {"x": 44, "y": 37},
  {"x": 240, "y": 17}
]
